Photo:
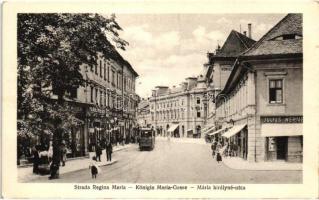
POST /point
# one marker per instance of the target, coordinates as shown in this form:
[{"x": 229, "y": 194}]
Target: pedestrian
[
  {"x": 50, "y": 152},
  {"x": 36, "y": 159},
  {"x": 109, "y": 150},
  {"x": 98, "y": 152},
  {"x": 213, "y": 147},
  {"x": 95, "y": 169},
  {"x": 63, "y": 151},
  {"x": 235, "y": 149},
  {"x": 219, "y": 157}
]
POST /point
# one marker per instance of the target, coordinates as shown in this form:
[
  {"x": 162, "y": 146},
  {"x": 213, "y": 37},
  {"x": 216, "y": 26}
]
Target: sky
[{"x": 164, "y": 49}]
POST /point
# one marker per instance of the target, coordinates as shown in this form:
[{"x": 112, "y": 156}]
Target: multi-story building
[
  {"x": 106, "y": 105},
  {"x": 143, "y": 113},
  {"x": 180, "y": 111},
  {"x": 261, "y": 104},
  {"x": 219, "y": 67}
]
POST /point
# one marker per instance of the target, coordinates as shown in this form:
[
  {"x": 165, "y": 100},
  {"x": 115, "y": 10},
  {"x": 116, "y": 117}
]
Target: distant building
[
  {"x": 261, "y": 104},
  {"x": 143, "y": 113},
  {"x": 180, "y": 111}
]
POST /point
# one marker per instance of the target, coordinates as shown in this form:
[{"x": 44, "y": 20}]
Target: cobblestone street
[{"x": 175, "y": 161}]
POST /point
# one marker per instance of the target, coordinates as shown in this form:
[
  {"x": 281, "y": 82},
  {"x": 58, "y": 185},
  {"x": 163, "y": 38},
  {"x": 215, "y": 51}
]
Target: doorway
[{"x": 281, "y": 143}]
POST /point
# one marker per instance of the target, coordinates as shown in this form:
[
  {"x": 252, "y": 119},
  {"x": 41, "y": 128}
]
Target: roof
[
  {"x": 269, "y": 48},
  {"x": 268, "y": 45},
  {"x": 234, "y": 45}
]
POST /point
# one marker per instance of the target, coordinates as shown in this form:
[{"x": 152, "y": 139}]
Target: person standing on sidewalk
[
  {"x": 109, "y": 150},
  {"x": 36, "y": 159},
  {"x": 63, "y": 153},
  {"x": 98, "y": 152},
  {"x": 213, "y": 147}
]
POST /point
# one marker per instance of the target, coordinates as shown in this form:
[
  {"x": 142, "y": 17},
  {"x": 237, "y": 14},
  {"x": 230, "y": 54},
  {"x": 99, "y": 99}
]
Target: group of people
[
  {"x": 231, "y": 149},
  {"x": 94, "y": 167},
  {"x": 217, "y": 150},
  {"x": 45, "y": 156},
  {"x": 108, "y": 149},
  {"x": 222, "y": 148}
]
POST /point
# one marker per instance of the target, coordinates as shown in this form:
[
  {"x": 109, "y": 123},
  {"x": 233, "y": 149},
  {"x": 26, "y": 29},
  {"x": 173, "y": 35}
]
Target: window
[
  {"x": 101, "y": 98},
  {"x": 105, "y": 99},
  {"x": 101, "y": 68},
  {"x": 104, "y": 68},
  {"x": 288, "y": 37},
  {"x": 73, "y": 93},
  {"x": 95, "y": 69},
  {"x": 275, "y": 91},
  {"x": 113, "y": 79},
  {"x": 92, "y": 90},
  {"x": 198, "y": 100},
  {"x": 108, "y": 74},
  {"x": 198, "y": 114},
  {"x": 96, "y": 96}
]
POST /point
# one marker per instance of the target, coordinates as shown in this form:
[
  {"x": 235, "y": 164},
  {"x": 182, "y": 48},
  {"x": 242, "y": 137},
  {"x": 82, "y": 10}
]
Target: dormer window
[{"x": 288, "y": 37}]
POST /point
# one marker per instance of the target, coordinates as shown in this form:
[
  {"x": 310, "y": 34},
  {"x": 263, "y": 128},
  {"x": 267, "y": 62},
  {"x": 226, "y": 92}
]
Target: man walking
[
  {"x": 109, "y": 150},
  {"x": 98, "y": 152}
]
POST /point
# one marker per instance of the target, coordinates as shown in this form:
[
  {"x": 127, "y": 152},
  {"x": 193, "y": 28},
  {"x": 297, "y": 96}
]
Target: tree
[{"x": 51, "y": 49}]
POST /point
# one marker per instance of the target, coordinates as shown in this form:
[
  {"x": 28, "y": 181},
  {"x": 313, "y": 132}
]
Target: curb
[
  {"x": 110, "y": 163},
  {"x": 259, "y": 169},
  {"x": 70, "y": 159}
]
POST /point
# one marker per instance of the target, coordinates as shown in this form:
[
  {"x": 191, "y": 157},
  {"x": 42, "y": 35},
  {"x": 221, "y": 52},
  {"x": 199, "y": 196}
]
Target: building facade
[
  {"x": 106, "y": 104},
  {"x": 261, "y": 104},
  {"x": 180, "y": 111},
  {"x": 144, "y": 114},
  {"x": 219, "y": 67}
]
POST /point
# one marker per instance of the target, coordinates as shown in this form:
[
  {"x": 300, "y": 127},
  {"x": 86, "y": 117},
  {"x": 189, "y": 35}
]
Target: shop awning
[
  {"x": 273, "y": 130},
  {"x": 208, "y": 130},
  {"x": 218, "y": 131},
  {"x": 234, "y": 130},
  {"x": 172, "y": 128}
]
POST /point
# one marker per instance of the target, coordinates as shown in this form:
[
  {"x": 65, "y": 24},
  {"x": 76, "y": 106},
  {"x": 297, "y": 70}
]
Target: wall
[{"x": 292, "y": 89}]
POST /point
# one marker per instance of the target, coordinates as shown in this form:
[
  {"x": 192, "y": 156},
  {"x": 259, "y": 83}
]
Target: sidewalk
[
  {"x": 239, "y": 163},
  {"x": 183, "y": 140},
  {"x": 25, "y": 174}
]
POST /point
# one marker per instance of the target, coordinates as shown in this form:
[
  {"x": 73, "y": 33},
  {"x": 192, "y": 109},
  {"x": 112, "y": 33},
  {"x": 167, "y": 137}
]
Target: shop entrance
[{"x": 281, "y": 143}]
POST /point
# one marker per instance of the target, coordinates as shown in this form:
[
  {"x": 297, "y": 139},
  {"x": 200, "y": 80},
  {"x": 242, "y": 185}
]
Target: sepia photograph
[
  {"x": 171, "y": 98},
  {"x": 158, "y": 100}
]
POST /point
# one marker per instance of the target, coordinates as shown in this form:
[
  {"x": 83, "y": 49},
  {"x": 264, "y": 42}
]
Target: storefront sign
[
  {"x": 282, "y": 119},
  {"x": 97, "y": 110},
  {"x": 271, "y": 144}
]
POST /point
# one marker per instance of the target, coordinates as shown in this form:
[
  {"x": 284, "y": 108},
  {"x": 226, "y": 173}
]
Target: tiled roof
[
  {"x": 268, "y": 45},
  {"x": 235, "y": 44}
]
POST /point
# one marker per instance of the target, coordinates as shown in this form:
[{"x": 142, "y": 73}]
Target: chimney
[
  {"x": 249, "y": 30},
  {"x": 245, "y": 33}
]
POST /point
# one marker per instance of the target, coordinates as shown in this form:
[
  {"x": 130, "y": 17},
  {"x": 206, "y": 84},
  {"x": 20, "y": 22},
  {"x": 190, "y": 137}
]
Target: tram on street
[{"x": 146, "y": 138}]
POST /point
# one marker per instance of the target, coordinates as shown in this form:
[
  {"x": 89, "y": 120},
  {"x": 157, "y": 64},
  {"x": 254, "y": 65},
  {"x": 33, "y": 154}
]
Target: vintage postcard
[{"x": 150, "y": 99}]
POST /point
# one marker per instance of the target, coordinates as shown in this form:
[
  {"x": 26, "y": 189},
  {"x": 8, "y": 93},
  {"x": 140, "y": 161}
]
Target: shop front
[
  {"x": 284, "y": 138},
  {"x": 236, "y": 137},
  {"x": 96, "y": 126}
]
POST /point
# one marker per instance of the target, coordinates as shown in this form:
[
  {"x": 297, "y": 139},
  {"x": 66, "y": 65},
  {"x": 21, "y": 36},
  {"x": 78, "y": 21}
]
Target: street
[{"x": 174, "y": 162}]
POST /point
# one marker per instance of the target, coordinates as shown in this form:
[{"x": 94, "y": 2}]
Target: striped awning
[
  {"x": 172, "y": 128},
  {"x": 208, "y": 130},
  {"x": 234, "y": 130},
  {"x": 216, "y": 132}
]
